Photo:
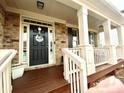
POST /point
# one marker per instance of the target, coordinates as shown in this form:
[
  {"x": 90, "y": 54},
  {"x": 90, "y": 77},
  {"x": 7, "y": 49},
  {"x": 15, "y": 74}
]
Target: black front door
[{"x": 38, "y": 45}]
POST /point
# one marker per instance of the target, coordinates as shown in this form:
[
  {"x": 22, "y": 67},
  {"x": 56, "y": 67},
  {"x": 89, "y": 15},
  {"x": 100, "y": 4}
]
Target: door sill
[{"x": 39, "y": 66}]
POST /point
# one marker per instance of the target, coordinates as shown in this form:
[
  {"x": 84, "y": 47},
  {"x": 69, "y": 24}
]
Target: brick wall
[
  {"x": 11, "y": 31},
  {"x": 61, "y": 38}
]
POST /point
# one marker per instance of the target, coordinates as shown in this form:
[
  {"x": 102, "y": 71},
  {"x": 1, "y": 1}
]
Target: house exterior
[{"x": 39, "y": 35}]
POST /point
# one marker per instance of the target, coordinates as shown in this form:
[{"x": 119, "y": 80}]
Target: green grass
[{"x": 14, "y": 61}]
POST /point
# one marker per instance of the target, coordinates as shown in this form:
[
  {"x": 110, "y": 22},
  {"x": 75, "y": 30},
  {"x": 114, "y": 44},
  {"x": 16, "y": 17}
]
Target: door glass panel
[{"x": 24, "y": 35}]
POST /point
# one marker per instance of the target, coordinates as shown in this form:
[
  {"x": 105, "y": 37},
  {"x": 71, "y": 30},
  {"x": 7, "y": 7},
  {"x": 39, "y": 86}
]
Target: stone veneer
[
  {"x": 1, "y": 35},
  {"x": 11, "y": 31},
  {"x": 2, "y": 14},
  {"x": 61, "y": 40},
  {"x": 9, "y": 34}
]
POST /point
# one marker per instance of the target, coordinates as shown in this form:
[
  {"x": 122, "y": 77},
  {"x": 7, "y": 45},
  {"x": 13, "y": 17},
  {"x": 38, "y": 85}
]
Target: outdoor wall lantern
[{"x": 40, "y": 4}]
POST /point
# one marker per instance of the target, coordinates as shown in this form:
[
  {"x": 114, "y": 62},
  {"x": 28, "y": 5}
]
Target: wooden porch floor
[
  {"x": 44, "y": 80},
  {"x": 51, "y": 80},
  {"x": 103, "y": 70}
]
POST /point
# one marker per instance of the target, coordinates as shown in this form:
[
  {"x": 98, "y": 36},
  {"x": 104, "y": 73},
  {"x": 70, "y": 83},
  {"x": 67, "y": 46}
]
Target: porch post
[
  {"x": 87, "y": 50},
  {"x": 108, "y": 41},
  {"x": 120, "y": 32}
]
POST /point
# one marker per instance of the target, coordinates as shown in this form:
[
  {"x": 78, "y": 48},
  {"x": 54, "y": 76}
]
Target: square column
[
  {"x": 83, "y": 26},
  {"x": 87, "y": 51},
  {"x": 108, "y": 42},
  {"x": 120, "y": 32}
]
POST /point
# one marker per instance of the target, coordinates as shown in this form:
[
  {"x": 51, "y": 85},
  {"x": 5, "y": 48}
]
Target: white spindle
[
  {"x": 71, "y": 81},
  {"x": 77, "y": 78},
  {"x": 5, "y": 80},
  {"x": 66, "y": 69},
  {"x": 74, "y": 81},
  {"x": 9, "y": 78},
  {"x": 1, "y": 82}
]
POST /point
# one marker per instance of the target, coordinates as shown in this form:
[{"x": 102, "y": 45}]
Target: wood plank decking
[
  {"x": 51, "y": 80},
  {"x": 46, "y": 80},
  {"x": 104, "y": 70}
]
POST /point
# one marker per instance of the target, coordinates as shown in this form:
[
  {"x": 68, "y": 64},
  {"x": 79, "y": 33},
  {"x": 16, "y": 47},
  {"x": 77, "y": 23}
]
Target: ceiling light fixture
[
  {"x": 122, "y": 11},
  {"x": 40, "y": 4}
]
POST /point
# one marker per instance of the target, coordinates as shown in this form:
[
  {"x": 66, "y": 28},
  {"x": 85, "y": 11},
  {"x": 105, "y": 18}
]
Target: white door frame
[{"x": 51, "y": 56}]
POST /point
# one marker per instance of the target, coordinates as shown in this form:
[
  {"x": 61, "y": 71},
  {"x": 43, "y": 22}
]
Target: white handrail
[
  {"x": 78, "y": 60},
  {"x": 5, "y": 70},
  {"x": 75, "y": 71}
]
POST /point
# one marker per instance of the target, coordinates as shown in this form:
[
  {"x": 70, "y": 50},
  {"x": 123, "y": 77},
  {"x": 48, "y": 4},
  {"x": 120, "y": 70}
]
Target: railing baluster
[
  {"x": 101, "y": 56},
  {"x": 8, "y": 69},
  {"x": 1, "y": 83},
  {"x": 71, "y": 74},
  {"x": 66, "y": 69},
  {"x": 74, "y": 80},
  {"x": 77, "y": 79},
  {"x": 5, "y": 80}
]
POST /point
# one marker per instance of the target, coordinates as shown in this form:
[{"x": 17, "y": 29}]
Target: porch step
[
  {"x": 45, "y": 80},
  {"x": 104, "y": 70},
  {"x": 63, "y": 89}
]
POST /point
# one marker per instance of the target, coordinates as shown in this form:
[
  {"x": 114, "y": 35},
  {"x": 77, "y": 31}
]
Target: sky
[{"x": 119, "y": 4}]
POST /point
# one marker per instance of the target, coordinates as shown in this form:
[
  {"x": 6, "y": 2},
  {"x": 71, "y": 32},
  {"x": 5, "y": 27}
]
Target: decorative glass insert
[{"x": 24, "y": 40}]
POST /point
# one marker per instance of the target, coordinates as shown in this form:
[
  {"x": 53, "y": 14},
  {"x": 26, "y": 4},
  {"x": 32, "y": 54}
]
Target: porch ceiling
[
  {"x": 51, "y": 8},
  {"x": 55, "y": 9}
]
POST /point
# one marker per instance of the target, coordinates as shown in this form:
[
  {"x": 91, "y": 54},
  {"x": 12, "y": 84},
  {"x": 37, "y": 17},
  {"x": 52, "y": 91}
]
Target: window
[
  {"x": 101, "y": 39},
  {"x": 93, "y": 38}
]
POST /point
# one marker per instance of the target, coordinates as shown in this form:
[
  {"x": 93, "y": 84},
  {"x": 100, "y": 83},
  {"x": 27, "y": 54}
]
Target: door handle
[{"x": 51, "y": 47}]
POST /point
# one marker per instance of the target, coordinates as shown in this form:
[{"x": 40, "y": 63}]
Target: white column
[
  {"x": 108, "y": 41},
  {"x": 87, "y": 50},
  {"x": 120, "y": 32},
  {"x": 83, "y": 26}
]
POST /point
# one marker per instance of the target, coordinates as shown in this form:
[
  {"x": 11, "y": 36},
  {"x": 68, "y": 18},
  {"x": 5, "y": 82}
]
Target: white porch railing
[
  {"x": 76, "y": 51},
  {"x": 101, "y": 56},
  {"x": 119, "y": 52},
  {"x": 75, "y": 71},
  {"x": 5, "y": 70}
]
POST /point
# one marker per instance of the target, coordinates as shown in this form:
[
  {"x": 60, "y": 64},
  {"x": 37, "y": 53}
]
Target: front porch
[
  {"x": 45, "y": 80},
  {"x": 60, "y": 51},
  {"x": 51, "y": 80}
]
